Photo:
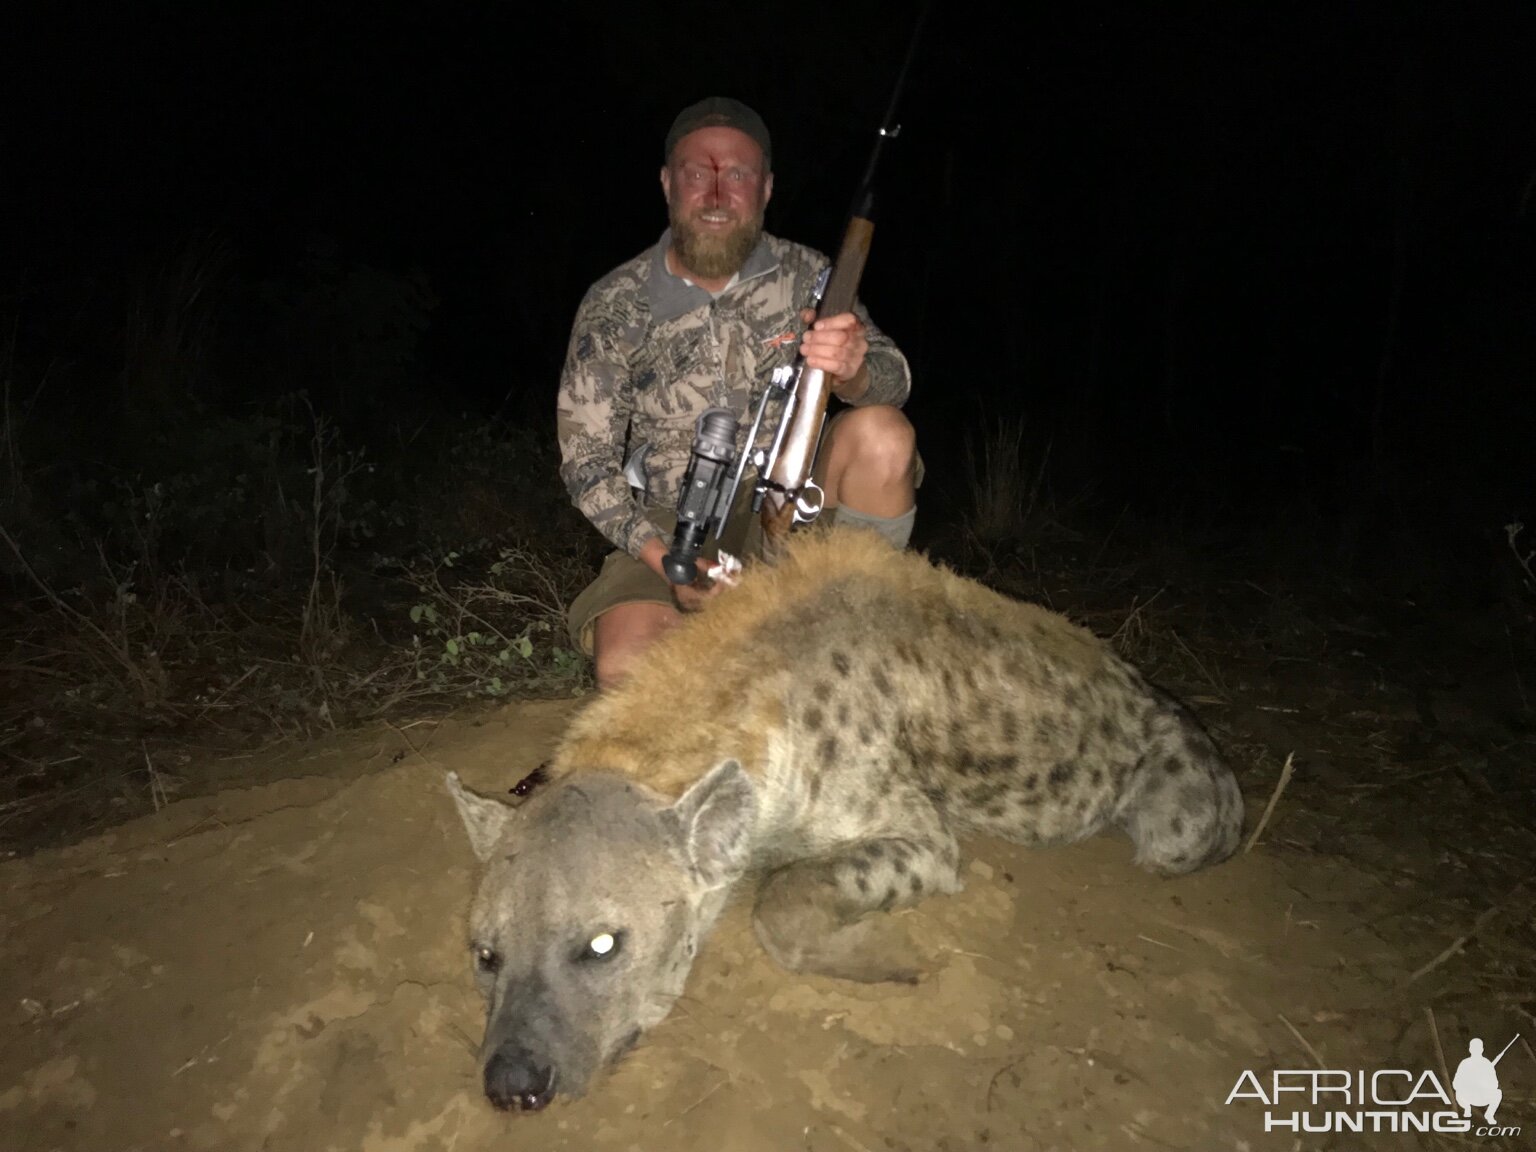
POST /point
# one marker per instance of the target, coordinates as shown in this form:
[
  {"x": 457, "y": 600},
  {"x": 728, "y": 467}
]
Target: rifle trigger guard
[{"x": 805, "y": 510}]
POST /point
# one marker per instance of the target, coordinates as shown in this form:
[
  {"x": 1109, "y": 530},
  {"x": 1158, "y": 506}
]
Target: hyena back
[{"x": 834, "y": 725}]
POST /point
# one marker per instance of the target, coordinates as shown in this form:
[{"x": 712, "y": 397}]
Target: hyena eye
[
  {"x": 488, "y": 960},
  {"x": 603, "y": 946}
]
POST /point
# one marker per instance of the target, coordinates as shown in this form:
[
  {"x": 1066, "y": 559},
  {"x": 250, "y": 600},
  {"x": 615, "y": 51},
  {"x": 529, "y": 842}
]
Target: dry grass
[
  {"x": 1523, "y": 559},
  {"x": 1134, "y": 637},
  {"x": 1004, "y": 491},
  {"x": 143, "y": 661},
  {"x": 113, "y": 629}
]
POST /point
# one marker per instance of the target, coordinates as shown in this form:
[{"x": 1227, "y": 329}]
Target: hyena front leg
[{"x": 816, "y": 915}]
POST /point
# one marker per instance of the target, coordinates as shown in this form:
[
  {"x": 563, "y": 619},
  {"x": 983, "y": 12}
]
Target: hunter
[{"x": 701, "y": 319}]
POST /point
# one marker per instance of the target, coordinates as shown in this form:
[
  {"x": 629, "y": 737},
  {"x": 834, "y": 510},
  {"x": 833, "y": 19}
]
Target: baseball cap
[{"x": 720, "y": 111}]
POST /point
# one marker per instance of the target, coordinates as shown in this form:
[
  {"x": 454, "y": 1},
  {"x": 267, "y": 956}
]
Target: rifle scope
[{"x": 705, "y": 489}]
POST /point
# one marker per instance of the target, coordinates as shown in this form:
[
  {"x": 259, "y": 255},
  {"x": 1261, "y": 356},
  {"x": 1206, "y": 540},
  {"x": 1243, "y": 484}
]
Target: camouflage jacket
[{"x": 650, "y": 351}]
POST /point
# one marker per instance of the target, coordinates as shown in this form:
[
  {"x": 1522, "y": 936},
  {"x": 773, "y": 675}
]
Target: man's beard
[{"x": 714, "y": 255}]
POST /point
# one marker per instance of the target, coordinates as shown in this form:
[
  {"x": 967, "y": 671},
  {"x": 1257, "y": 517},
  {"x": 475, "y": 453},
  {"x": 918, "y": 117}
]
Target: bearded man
[{"x": 701, "y": 320}]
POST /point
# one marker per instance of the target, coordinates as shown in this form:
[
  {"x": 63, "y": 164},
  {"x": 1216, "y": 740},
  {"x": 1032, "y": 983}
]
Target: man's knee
[
  {"x": 609, "y": 666},
  {"x": 878, "y": 439},
  {"x": 622, "y": 634}
]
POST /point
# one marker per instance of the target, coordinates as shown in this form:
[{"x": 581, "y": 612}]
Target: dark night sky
[{"x": 1136, "y": 223}]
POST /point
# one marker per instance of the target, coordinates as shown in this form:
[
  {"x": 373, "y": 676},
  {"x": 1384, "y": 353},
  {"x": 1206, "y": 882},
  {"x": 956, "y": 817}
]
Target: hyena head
[{"x": 595, "y": 895}]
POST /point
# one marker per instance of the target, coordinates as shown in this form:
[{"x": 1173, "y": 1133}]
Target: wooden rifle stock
[{"x": 848, "y": 269}]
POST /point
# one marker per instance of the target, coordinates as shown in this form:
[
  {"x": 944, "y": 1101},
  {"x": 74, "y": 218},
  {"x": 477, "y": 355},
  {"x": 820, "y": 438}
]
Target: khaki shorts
[{"x": 624, "y": 580}]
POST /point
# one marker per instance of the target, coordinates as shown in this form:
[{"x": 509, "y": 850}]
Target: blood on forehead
[{"x": 719, "y": 149}]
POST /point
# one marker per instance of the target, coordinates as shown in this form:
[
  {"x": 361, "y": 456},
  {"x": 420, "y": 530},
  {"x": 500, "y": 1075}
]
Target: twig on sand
[
  {"x": 409, "y": 743},
  {"x": 1302, "y": 1040},
  {"x": 717, "y": 1086},
  {"x": 998, "y": 1075},
  {"x": 1509, "y": 638},
  {"x": 847, "y": 1139},
  {"x": 1137, "y": 1132},
  {"x": 157, "y": 793},
  {"x": 464, "y": 1038},
  {"x": 1461, "y": 941},
  {"x": 1434, "y": 1031},
  {"x": 1269, "y": 809},
  {"x": 196, "y": 828}
]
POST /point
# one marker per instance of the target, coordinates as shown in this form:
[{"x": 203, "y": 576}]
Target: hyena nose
[{"x": 514, "y": 1079}]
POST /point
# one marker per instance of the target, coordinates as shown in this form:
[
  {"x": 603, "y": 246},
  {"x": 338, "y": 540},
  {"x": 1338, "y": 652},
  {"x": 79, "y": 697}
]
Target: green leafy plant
[{"x": 488, "y": 629}]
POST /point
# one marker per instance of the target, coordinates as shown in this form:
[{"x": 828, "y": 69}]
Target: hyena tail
[{"x": 1185, "y": 810}]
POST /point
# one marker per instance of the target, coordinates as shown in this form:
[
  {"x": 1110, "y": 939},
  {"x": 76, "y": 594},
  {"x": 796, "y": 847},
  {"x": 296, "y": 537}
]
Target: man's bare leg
[
  {"x": 869, "y": 462},
  {"x": 622, "y": 633}
]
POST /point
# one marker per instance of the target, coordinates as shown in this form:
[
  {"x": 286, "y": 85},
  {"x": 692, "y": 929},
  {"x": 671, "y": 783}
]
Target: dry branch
[
  {"x": 1461, "y": 941},
  {"x": 1274, "y": 798},
  {"x": 1302, "y": 1040},
  {"x": 1434, "y": 1031}
]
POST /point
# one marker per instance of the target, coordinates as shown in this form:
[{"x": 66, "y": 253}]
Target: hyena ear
[
  {"x": 485, "y": 818},
  {"x": 715, "y": 819}
]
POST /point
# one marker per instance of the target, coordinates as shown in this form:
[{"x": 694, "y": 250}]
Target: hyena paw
[{"x": 805, "y": 935}]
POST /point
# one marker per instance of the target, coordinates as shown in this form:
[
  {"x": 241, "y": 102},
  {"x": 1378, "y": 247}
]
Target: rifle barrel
[
  {"x": 862, "y": 204},
  {"x": 1506, "y": 1048}
]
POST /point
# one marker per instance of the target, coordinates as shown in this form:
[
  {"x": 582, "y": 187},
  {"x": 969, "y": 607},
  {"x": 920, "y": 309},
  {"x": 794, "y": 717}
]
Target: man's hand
[
  {"x": 687, "y": 597},
  {"x": 837, "y": 346}
]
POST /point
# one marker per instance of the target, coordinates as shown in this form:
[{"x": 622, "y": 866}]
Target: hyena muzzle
[{"x": 831, "y": 727}]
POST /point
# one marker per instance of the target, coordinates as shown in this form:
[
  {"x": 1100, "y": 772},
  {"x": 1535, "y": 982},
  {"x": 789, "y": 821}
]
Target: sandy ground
[{"x": 285, "y": 967}]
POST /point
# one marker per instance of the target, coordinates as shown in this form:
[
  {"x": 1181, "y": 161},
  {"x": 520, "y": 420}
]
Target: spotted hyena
[{"x": 831, "y": 727}]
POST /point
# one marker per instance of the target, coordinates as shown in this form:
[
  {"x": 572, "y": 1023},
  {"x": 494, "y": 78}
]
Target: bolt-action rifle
[{"x": 785, "y": 493}]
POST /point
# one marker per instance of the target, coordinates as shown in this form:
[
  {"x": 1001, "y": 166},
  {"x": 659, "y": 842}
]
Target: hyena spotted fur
[{"x": 831, "y": 727}]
